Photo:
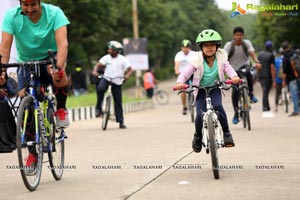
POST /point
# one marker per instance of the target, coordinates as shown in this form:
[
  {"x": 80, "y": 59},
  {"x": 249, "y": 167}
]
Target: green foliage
[
  {"x": 278, "y": 28},
  {"x": 91, "y": 98},
  {"x": 165, "y": 23}
]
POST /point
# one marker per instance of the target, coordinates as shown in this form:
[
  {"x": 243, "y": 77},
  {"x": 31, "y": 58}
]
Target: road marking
[{"x": 159, "y": 175}]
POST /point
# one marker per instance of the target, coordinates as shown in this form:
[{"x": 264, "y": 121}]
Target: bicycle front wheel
[
  {"x": 162, "y": 97},
  {"x": 106, "y": 113},
  {"x": 246, "y": 110},
  {"x": 191, "y": 106},
  {"x": 56, "y": 153},
  {"x": 213, "y": 147},
  {"x": 29, "y": 146}
]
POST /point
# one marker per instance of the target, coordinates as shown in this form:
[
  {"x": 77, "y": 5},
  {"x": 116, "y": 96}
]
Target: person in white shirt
[
  {"x": 115, "y": 67},
  {"x": 182, "y": 61}
]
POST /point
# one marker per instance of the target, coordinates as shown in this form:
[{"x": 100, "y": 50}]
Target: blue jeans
[{"x": 294, "y": 86}]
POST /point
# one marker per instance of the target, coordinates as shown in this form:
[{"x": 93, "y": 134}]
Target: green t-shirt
[
  {"x": 210, "y": 74},
  {"x": 33, "y": 40}
]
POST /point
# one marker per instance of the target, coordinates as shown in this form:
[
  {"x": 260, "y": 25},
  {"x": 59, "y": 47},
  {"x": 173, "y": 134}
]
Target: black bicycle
[
  {"x": 244, "y": 98},
  {"x": 36, "y": 127}
]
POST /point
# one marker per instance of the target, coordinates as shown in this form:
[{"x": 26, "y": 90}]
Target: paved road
[{"x": 153, "y": 160}]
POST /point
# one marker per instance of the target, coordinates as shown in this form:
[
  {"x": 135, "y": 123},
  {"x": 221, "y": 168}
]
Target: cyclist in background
[
  {"x": 208, "y": 65},
  {"x": 115, "y": 66},
  {"x": 38, "y": 27},
  {"x": 182, "y": 61},
  {"x": 238, "y": 51}
]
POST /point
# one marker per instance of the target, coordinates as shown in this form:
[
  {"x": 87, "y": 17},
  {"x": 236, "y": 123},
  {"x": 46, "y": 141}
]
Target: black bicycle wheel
[
  {"x": 57, "y": 153},
  {"x": 191, "y": 106},
  {"x": 30, "y": 152},
  {"x": 242, "y": 109},
  {"x": 285, "y": 101},
  {"x": 246, "y": 109},
  {"x": 106, "y": 113},
  {"x": 213, "y": 147},
  {"x": 162, "y": 97}
]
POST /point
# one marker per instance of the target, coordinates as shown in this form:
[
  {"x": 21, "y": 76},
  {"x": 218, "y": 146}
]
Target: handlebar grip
[
  {"x": 183, "y": 88},
  {"x": 229, "y": 81}
]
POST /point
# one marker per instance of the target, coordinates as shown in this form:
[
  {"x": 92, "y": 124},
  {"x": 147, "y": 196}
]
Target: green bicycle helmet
[
  {"x": 209, "y": 35},
  {"x": 186, "y": 43}
]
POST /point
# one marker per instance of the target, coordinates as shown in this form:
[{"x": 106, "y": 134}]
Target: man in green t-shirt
[{"x": 38, "y": 27}]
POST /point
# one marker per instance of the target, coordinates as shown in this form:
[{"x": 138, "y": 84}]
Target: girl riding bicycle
[{"x": 208, "y": 65}]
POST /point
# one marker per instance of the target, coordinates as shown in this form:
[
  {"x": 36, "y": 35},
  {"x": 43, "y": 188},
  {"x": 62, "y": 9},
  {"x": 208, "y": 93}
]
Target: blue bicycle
[{"x": 36, "y": 130}]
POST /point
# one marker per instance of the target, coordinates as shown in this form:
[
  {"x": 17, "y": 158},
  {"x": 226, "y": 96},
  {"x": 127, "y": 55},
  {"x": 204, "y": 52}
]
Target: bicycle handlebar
[
  {"x": 217, "y": 84},
  {"x": 50, "y": 61}
]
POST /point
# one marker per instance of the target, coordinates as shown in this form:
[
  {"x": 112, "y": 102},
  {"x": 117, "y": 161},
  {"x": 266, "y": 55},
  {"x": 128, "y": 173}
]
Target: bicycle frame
[
  {"x": 39, "y": 114},
  {"x": 205, "y": 134}
]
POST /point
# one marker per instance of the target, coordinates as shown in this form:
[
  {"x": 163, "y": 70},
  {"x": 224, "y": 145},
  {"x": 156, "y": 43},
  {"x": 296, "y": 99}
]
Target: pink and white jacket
[{"x": 196, "y": 67}]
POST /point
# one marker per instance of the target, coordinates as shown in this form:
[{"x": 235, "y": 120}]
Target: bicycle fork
[{"x": 217, "y": 128}]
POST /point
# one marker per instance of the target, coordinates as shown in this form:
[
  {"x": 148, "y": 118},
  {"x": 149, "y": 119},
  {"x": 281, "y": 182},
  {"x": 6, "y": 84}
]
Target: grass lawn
[{"x": 91, "y": 98}]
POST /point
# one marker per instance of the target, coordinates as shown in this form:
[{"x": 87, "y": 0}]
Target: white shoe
[{"x": 267, "y": 114}]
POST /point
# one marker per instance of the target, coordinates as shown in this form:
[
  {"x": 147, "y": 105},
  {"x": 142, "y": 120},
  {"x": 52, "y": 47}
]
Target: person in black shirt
[
  {"x": 78, "y": 79},
  {"x": 290, "y": 77},
  {"x": 267, "y": 76}
]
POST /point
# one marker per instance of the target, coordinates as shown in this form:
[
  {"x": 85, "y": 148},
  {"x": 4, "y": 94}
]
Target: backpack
[
  {"x": 7, "y": 128},
  {"x": 280, "y": 71},
  {"x": 231, "y": 52}
]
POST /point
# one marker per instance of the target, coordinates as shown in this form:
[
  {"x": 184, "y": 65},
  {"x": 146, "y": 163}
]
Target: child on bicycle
[{"x": 208, "y": 66}]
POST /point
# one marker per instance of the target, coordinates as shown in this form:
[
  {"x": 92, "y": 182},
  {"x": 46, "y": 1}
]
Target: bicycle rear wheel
[
  {"x": 106, "y": 113},
  {"x": 246, "y": 110},
  {"x": 57, "y": 153},
  {"x": 162, "y": 97},
  {"x": 213, "y": 147},
  {"x": 29, "y": 146}
]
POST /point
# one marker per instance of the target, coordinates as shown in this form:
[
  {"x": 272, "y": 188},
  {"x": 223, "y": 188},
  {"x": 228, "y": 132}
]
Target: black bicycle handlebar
[
  {"x": 50, "y": 61},
  {"x": 218, "y": 84}
]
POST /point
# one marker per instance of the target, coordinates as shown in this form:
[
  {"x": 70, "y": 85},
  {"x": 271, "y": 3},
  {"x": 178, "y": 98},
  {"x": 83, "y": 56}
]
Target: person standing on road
[
  {"x": 78, "y": 80},
  {"x": 182, "y": 61},
  {"x": 149, "y": 83},
  {"x": 208, "y": 65},
  {"x": 266, "y": 76},
  {"x": 290, "y": 76},
  {"x": 278, "y": 72},
  {"x": 115, "y": 66},
  {"x": 238, "y": 51}
]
